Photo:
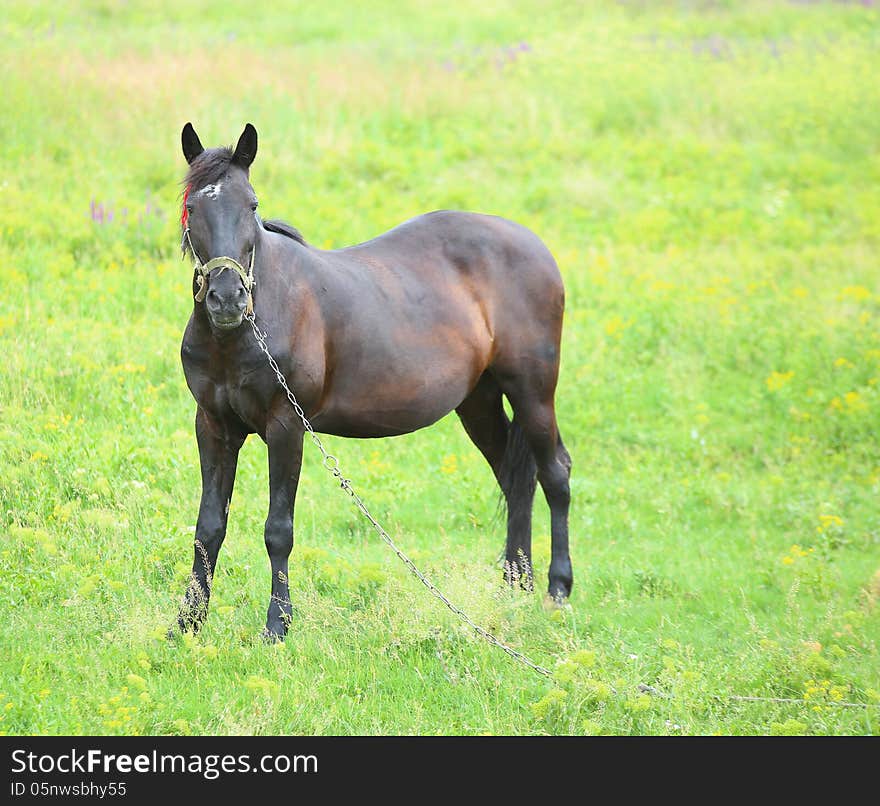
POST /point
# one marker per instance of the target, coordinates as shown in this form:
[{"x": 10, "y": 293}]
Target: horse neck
[{"x": 277, "y": 256}]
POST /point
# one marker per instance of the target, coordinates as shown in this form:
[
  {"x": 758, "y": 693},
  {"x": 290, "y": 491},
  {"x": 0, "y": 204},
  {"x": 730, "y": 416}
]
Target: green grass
[{"x": 705, "y": 173}]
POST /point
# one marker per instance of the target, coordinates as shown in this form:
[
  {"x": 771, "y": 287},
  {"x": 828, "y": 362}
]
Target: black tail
[{"x": 518, "y": 475}]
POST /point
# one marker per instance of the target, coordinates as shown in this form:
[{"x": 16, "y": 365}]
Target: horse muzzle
[{"x": 226, "y": 311}]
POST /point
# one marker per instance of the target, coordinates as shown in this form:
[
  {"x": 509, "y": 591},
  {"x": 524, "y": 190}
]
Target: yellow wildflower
[
  {"x": 776, "y": 380},
  {"x": 449, "y": 464}
]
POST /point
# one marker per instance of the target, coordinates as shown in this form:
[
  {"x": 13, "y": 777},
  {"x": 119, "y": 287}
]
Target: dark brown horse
[{"x": 448, "y": 311}]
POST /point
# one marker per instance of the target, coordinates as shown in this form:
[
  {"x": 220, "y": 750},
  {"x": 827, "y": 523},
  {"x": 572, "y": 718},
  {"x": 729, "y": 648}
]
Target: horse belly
[
  {"x": 407, "y": 358},
  {"x": 386, "y": 399}
]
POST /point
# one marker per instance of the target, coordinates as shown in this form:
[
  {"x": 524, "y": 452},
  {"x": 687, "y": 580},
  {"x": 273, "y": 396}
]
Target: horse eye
[{"x": 254, "y": 206}]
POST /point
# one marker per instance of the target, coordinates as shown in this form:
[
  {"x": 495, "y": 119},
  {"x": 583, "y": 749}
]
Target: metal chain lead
[{"x": 331, "y": 463}]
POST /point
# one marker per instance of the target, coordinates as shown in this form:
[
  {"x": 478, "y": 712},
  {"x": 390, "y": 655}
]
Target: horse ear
[
  {"x": 246, "y": 149},
  {"x": 192, "y": 146}
]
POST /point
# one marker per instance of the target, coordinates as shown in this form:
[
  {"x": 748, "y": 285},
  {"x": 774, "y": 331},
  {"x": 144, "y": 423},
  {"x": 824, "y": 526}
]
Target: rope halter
[{"x": 221, "y": 264}]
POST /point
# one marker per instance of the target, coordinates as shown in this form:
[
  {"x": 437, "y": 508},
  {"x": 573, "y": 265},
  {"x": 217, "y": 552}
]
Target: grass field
[{"x": 706, "y": 174}]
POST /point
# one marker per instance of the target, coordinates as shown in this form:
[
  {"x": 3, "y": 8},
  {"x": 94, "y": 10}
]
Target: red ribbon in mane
[{"x": 184, "y": 214}]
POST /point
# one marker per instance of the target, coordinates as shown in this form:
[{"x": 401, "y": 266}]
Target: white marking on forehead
[{"x": 211, "y": 191}]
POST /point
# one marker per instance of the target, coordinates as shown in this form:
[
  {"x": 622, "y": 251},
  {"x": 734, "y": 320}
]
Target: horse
[{"x": 449, "y": 311}]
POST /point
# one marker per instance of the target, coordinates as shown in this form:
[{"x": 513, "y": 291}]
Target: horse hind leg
[
  {"x": 537, "y": 419},
  {"x": 557, "y": 491},
  {"x": 505, "y": 449}
]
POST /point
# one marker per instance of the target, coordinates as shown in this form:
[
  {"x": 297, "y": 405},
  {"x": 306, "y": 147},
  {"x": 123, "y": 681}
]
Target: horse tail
[{"x": 517, "y": 475}]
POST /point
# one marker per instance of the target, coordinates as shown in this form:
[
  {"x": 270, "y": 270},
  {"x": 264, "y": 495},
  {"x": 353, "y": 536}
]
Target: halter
[{"x": 222, "y": 263}]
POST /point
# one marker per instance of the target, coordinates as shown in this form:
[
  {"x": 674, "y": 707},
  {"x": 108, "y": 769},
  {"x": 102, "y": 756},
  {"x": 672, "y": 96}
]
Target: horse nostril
[{"x": 212, "y": 295}]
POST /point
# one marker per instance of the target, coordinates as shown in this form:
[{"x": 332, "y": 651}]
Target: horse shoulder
[{"x": 195, "y": 350}]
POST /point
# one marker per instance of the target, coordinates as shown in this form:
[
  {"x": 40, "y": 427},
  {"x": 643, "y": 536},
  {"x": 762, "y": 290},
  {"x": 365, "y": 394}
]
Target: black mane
[{"x": 283, "y": 228}]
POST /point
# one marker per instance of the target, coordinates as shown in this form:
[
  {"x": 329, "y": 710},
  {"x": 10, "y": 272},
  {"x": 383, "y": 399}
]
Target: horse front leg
[
  {"x": 219, "y": 445},
  {"x": 285, "y": 440}
]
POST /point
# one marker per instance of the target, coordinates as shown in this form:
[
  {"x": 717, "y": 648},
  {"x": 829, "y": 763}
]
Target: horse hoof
[
  {"x": 560, "y": 587},
  {"x": 556, "y": 602},
  {"x": 177, "y": 630},
  {"x": 273, "y": 637}
]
